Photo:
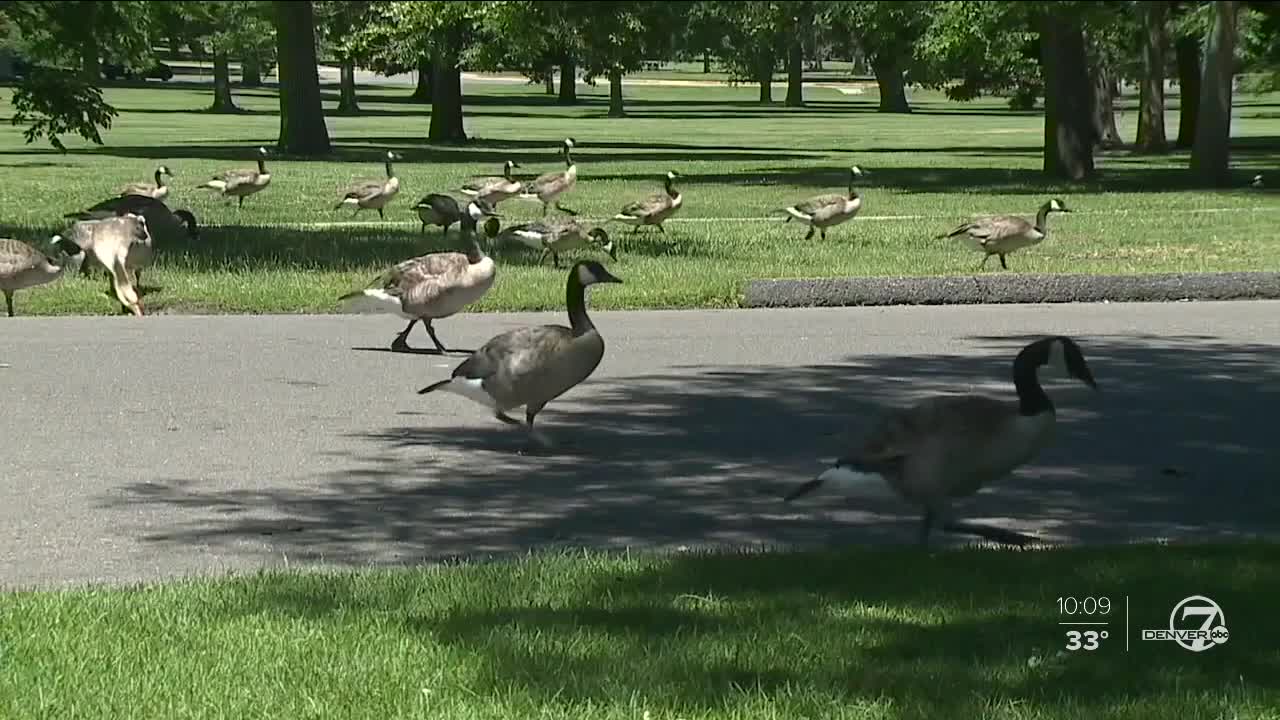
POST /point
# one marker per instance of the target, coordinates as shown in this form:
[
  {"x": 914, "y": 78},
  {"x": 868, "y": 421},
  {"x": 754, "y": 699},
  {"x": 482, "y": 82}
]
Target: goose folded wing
[
  {"x": 234, "y": 178},
  {"x": 363, "y": 191},
  {"x": 814, "y": 204},
  {"x": 645, "y": 206},
  {"x": 516, "y": 353}
]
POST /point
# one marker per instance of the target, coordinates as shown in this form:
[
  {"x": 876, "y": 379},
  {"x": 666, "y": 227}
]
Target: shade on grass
[{"x": 874, "y": 633}]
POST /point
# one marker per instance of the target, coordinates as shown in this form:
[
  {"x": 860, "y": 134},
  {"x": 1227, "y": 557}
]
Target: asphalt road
[{"x": 135, "y": 449}]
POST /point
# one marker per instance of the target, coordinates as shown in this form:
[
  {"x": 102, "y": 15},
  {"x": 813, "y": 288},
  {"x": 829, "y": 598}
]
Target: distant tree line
[{"x": 1067, "y": 57}]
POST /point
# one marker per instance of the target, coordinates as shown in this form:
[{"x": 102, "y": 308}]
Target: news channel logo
[{"x": 1196, "y": 624}]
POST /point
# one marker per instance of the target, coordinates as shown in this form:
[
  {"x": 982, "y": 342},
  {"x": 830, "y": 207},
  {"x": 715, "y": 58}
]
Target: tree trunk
[
  {"x": 615, "y": 94},
  {"x": 1211, "y": 152},
  {"x": 568, "y": 82},
  {"x": 706, "y": 61},
  {"x": 893, "y": 91},
  {"x": 347, "y": 103},
  {"x": 422, "y": 93},
  {"x": 764, "y": 75},
  {"x": 1187, "y": 50},
  {"x": 795, "y": 70},
  {"x": 222, "y": 100},
  {"x": 549, "y": 79},
  {"x": 1069, "y": 134},
  {"x": 90, "y": 53},
  {"x": 250, "y": 72},
  {"x": 1151, "y": 135},
  {"x": 302, "y": 128},
  {"x": 446, "y": 102},
  {"x": 1104, "y": 110}
]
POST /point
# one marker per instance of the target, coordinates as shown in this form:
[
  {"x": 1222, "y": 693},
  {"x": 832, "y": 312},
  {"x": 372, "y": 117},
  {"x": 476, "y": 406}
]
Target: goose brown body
[
  {"x": 21, "y": 267},
  {"x": 1004, "y": 234},
  {"x": 948, "y": 447},
  {"x": 373, "y": 194},
  {"x": 531, "y": 366},
  {"x": 241, "y": 182},
  {"x": 157, "y": 190}
]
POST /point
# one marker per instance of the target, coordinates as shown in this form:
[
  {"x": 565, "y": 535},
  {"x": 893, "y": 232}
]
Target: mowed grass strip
[
  {"x": 857, "y": 633},
  {"x": 741, "y": 163}
]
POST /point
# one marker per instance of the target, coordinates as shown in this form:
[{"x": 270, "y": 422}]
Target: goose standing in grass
[
  {"x": 242, "y": 182},
  {"x": 556, "y": 235},
  {"x": 157, "y": 190},
  {"x": 531, "y": 366},
  {"x": 163, "y": 225},
  {"x": 23, "y": 266},
  {"x": 109, "y": 241},
  {"x": 431, "y": 287},
  {"x": 443, "y": 210},
  {"x": 825, "y": 211},
  {"x": 373, "y": 194},
  {"x": 655, "y": 209},
  {"x": 950, "y": 446},
  {"x": 1004, "y": 234},
  {"x": 550, "y": 187},
  {"x": 495, "y": 189}
]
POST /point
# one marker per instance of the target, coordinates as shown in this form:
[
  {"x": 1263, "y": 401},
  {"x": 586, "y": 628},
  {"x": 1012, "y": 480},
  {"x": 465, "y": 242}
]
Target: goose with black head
[
  {"x": 531, "y": 366},
  {"x": 948, "y": 447}
]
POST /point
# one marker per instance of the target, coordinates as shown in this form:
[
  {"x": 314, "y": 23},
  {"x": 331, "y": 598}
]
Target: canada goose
[
  {"x": 495, "y": 189},
  {"x": 443, "y": 210},
  {"x": 431, "y": 287},
  {"x": 373, "y": 194},
  {"x": 556, "y": 235},
  {"x": 109, "y": 241},
  {"x": 22, "y": 266},
  {"x": 241, "y": 183},
  {"x": 163, "y": 225},
  {"x": 1004, "y": 234},
  {"x": 549, "y": 187},
  {"x": 949, "y": 446},
  {"x": 157, "y": 190},
  {"x": 655, "y": 209},
  {"x": 824, "y": 211},
  {"x": 1256, "y": 182},
  {"x": 531, "y": 366}
]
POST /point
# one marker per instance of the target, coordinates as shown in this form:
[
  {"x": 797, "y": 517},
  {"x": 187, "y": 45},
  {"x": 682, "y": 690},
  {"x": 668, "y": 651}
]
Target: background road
[{"x": 133, "y": 449}]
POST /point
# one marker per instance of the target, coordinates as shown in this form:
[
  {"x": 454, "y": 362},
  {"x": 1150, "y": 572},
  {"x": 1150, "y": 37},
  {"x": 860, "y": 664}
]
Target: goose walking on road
[
  {"x": 431, "y": 287},
  {"x": 947, "y": 447},
  {"x": 1005, "y": 234},
  {"x": 531, "y": 366}
]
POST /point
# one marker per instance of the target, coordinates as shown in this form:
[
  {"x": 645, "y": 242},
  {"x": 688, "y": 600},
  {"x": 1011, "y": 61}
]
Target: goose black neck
[
  {"x": 506, "y": 172},
  {"x": 475, "y": 253},
  {"x": 1032, "y": 399},
  {"x": 1042, "y": 217},
  {"x": 262, "y": 166},
  {"x": 576, "y": 299},
  {"x": 671, "y": 188},
  {"x": 159, "y": 180},
  {"x": 568, "y": 158},
  {"x": 389, "y": 173}
]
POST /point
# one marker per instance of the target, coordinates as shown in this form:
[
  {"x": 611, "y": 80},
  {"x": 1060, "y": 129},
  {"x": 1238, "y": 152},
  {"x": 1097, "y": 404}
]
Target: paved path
[{"x": 135, "y": 449}]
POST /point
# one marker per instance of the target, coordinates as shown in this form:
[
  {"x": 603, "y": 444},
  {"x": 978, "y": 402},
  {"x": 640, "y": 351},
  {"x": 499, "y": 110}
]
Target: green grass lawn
[
  {"x": 868, "y": 633},
  {"x": 932, "y": 170}
]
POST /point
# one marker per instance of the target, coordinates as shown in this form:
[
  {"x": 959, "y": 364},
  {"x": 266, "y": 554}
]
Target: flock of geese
[{"x": 931, "y": 453}]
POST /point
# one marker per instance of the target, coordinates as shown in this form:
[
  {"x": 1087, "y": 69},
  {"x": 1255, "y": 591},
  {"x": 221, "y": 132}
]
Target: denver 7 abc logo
[{"x": 1183, "y": 629}]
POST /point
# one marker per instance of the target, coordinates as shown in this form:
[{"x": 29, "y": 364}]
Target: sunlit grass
[{"x": 740, "y": 162}]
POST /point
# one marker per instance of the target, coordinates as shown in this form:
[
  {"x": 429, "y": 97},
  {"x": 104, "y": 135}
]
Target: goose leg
[
  {"x": 564, "y": 209},
  {"x": 823, "y": 233},
  {"x": 380, "y": 215},
  {"x": 432, "y": 332},
  {"x": 537, "y": 440},
  {"x": 985, "y": 258},
  {"x": 8, "y": 301},
  {"x": 1003, "y": 264},
  {"x": 661, "y": 229},
  {"x": 809, "y": 235},
  {"x": 241, "y": 204},
  {"x": 401, "y": 344},
  {"x": 507, "y": 418}
]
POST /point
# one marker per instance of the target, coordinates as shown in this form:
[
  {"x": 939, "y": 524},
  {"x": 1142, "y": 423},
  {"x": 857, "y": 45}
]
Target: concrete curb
[{"x": 1011, "y": 288}]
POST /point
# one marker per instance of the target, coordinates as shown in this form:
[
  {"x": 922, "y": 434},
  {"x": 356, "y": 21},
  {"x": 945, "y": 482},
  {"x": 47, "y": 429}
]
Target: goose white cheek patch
[{"x": 852, "y": 483}]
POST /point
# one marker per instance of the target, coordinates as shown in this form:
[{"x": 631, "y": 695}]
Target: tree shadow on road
[{"x": 1176, "y": 445}]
